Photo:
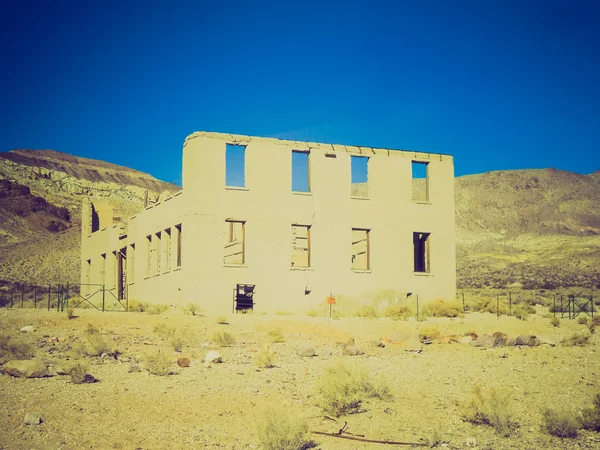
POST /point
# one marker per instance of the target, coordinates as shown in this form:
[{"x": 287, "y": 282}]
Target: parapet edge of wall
[{"x": 307, "y": 145}]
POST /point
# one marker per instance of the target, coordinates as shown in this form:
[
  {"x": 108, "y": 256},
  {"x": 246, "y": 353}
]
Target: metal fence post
[
  {"x": 102, "y": 297},
  {"x": 22, "y": 295},
  {"x": 510, "y": 303},
  {"x": 34, "y": 296},
  {"x": 417, "y": 307},
  {"x": 49, "y": 296},
  {"x": 463, "y": 298},
  {"x": 12, "y": 290},
  {"x": 497, "y": 306}
]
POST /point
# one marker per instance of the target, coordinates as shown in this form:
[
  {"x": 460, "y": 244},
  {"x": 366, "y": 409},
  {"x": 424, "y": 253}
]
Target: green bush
[
  {"x": 276, "y": 336},
  {"x": 591, "y": 416},
  {"x": 265, "y": 359},
  {"x": 555, "y": 322},
  {"x": 366, "y": 311},
  {"x": 442, "y": 308},
  {"x": 223, "y": 339},
  {"x": 490, "y": 407},
  {"x": 523, "y": 310},
  {"x": 192, "y": 309},
  {"x": 397, "y": 312},
  {"x": 429, "y": 334},
  {"x": 277, "y": 430},
  {"x": 576, "y": 340},
  {"x": 158, "y": 363},
  {"x": 344, "y": 387},
  {"x": 559, "y": 423}
]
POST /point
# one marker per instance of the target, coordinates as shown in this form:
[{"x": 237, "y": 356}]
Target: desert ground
[{"x": 429, "y": 386}]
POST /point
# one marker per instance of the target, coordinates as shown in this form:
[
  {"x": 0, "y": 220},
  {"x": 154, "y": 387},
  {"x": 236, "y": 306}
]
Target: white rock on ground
[{"x": 213, "y": 356}]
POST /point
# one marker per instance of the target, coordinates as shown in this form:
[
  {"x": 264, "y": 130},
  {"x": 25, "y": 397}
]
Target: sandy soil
[{"x": 217, "y": 406}]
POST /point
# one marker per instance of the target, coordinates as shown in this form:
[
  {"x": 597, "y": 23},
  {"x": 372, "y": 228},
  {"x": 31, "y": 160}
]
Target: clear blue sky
[{"x": 497, "y": 84}]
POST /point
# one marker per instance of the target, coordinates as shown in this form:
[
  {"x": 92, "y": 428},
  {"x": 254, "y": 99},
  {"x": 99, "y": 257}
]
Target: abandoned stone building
[{"x": 299, "y": 221}]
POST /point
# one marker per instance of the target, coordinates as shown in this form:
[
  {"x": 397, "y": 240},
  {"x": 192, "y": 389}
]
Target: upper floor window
[
  {"x": 360, "y": 176},
  {"x": 420, "y": 181},
  {"x": 235, "y": 165},
  {"x": 300, "y": 171}
]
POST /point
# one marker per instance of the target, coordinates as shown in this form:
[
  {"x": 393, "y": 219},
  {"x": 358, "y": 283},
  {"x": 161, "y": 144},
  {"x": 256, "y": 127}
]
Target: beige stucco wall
[{"x": 268, "y": 207}]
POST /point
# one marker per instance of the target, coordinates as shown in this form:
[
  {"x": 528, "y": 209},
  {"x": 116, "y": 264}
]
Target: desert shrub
[
  {"x": 366, "y": 311},
  {"x": 344, "y": 387},
  {"x": 582, "y": 320},
  {"x": 276, "y": 336},
  {"x": 221, "y": 320},
  {"x": 177, "y": 342},
  {"x": 98, "y": 345},
  {"x": 70, "y": 312},
  {"x": 523, "y": 310},
  {"x": 576, "y": 340},
  {"x": 15, "y": 347},
  {"x": 91, "y": 329},
  {"x": 137, "y": 306},
  {"x": 429, "y": 334},
  {"x": 594, "y": 323},
  {"x": 555, "y": 322},
  {"x": 312, "y": 312},
  {"x": 78, "y": 372},
  {"x": 591, "y": 416},
  {"x": 165, "y": 331},
  {"x": 559, "y": 423},
  {"x": 490, "y": 407},
  {"x": 397, "y": 312},
  {"x": 277, "y": 430},
  {"x": 488, "y": 304},
  {"x": 265, "y": 359},
  {"x": 442, "y": 308},
  {"x": 158, "y": 363},
  {"x": 192, "y": 309},
  {"x": 158, "y": 308},
  {"x": 223, "y": 339},
  {"x": 283, "y": 312}
]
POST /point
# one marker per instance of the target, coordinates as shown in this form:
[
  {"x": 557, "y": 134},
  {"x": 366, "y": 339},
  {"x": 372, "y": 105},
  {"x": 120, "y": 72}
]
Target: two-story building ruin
[{"x": 299, "y": 220}]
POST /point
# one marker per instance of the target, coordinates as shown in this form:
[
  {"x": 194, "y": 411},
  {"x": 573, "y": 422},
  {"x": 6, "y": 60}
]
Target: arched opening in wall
[{"x": 95, "y": 222}]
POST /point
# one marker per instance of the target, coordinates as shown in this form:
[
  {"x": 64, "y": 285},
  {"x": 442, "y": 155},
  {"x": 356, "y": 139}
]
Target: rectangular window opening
[
  {"x": 300, "y": 171},
  {"x": 150, "y": 254},
  {"x": 420, "y": 181},
  {"x": 300, "y": 246},
  {"x": 131, "y": 262},
  {"x": 235, "y": 242},
  {"x": 122, "y": 274},
  {"x": 360, "y": 176},
  {"x": 157, "y": 253},
  {"x": 421, "y": 252},
  {"x": 235, "y": 170},
  {"x": 360, "y": 249},
  {"x": 167, "y": 246},
  {"x": 178, "y": 249},
  {"x": 103, "y": 268}
]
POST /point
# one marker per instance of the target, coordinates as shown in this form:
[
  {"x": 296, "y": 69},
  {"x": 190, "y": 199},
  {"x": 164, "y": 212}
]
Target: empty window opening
[
  {"x": 421, "y": 246},
  {"x": 122, "y": 274},
  {"x": 235, "y": 175},
  {"x": 420, "y": 181},
  {"x": 103, "y": 268},
  {"x": 360, "y": 176},
  {"x": 300, "y": 246},
  {"x": 167, "y": 247},
  {"x": 95, "y": 219},
  {"x": 360, "y": 249},
  {"x": 234, "y": 242},
  {"x": 300, "y": 172},
  {"x": 88, "y": 271},
  {"x": 178, "y": 249},
  {"x": 131, "y": 263},
  {"x": 158, "y": 254}
]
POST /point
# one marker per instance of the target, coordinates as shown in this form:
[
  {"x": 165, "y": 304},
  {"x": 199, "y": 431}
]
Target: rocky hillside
[
  {"x": 539, "y": 228},
  {"x": 41, "y": 192}
]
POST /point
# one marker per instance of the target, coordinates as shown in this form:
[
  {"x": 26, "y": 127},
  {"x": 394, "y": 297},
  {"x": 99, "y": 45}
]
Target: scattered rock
[
  {"x": 28, "y": 329},
  {"x": 32, "y": 419},
  {"x": 183, "y": 362},
  {"x": 465, "y": 339},
  {"x": 527, "y": 340},
  {"x": 413, "y": 344},
  {"x": 134, "y": 368},
  {"x": 500, "y": 339},
  {"x": 27, "y": 368},
  {"x": 213, "y": 356},
  {"x": 352, "y": 350},
  {"x": 451, "y": 339},
  {"x": 88, "y": 378},
  {"x": 547, "y": 341},
  {"x": 305, "y": 351},
  {"x": 485, "y": 341}
]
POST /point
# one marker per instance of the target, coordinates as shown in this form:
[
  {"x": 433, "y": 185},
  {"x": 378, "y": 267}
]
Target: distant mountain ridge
[{"x": 538, "y": 227}]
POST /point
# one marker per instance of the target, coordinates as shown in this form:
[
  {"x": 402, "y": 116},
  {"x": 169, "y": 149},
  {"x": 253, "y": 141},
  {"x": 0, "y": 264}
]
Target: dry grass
[
  {"x": 278, "y": 430},
  {"x": 343, "y": 388},
  {"x": 276, "y": 336},
  {"x": 158, "y": 308},
  {"x": 490, "y": 407},
  {"x": 97, "y": 344},
  {"x": 397, "y": 312},
  {"x": 442, "y": 308},
  {"x": 15, "y": 347},
  {"x": 366, "y": 311},
  {"x": 559, "y": 423},
  {"x": 265, "y": 359},
  {"x": 591, "y": 416},
  {"x": 555, "y": 322},
  {"x": 221, "y": 320},
  {"x": 576, "y": 340},
  {"x": 158, "y": 363},
  {"x": 78, "y": 372},
  {"x": 223, "y": 339}
]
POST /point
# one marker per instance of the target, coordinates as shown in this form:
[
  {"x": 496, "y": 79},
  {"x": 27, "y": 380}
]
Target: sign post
[{"x": 330, "y": 302}]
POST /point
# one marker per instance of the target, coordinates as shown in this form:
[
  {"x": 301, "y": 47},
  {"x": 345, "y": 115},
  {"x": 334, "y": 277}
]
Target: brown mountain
[
  {"x": 41, "y": 192},
  {"x": 540, "y": 228}
]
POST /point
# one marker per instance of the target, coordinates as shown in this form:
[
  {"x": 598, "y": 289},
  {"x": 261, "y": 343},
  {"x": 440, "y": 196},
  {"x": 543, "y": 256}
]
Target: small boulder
[
  {"x": 500, "y": 339},
  {"x": 352, "y": 350},
  {"x": 527, "y": 340},
  {"x": 28, "y": 329},
  {"x": 466, "y": 339},
  {"x": 184, "y": 362},
  {"x": 485, "y": 341},
  {"x": 88, "y": 378},
  {"x": 213, "y": 356},
  {"x": 32, "y": 419},
  {"x": 26, "y": 368},
  {"x": 305, "y": 351},
  {"x": 413, "y": 344}
]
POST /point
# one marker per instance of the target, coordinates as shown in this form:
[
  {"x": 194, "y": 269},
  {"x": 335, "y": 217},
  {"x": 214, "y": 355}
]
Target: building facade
[{"x": 299, "y": 220}]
